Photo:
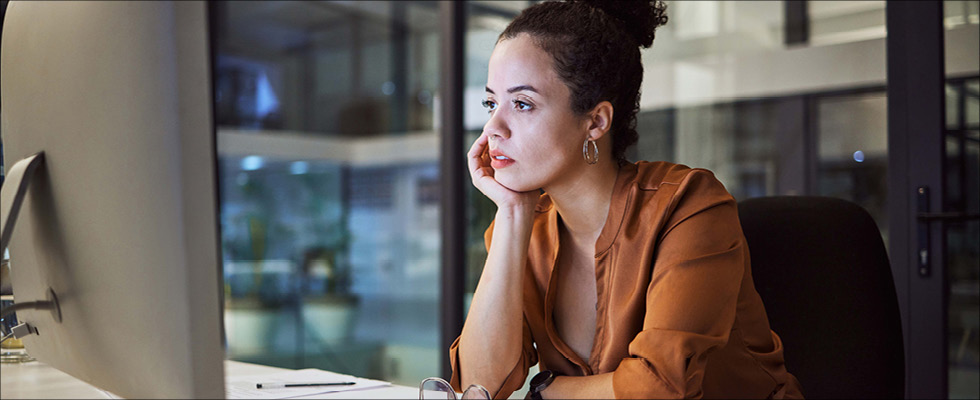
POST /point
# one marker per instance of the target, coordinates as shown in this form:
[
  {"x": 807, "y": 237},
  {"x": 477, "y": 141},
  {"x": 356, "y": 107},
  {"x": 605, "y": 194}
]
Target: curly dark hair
[{"x": 596, "y": 50}]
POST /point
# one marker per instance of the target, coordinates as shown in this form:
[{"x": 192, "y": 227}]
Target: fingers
[
  {"x": 481, "y": 173},
  {"x": 478, "y": 147},
  {"x": 476, "y": 155}
]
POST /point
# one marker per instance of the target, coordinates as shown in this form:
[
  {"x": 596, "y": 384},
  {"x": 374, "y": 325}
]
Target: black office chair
[{"x": 821, "y": 268}]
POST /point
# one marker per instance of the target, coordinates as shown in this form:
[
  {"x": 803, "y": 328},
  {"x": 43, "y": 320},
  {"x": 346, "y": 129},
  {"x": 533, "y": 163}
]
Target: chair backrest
[{"x": 822, "y": 271}]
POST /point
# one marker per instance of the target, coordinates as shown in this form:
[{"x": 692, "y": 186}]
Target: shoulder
[
  {"x": 679, "y": 181},
  {"x": 668, "y": 193},
  {"x": 653, "y": 175}
]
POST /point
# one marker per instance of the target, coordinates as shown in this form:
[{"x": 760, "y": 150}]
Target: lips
[{"x": 499, "y": 160}]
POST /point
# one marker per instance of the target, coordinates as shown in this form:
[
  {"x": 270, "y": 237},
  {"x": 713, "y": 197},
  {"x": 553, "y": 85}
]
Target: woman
[{"x": 621, "y": 279}]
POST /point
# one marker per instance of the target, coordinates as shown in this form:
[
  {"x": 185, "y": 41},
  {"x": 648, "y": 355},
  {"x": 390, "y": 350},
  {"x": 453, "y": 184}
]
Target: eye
[
  {"x": 522, "y": 105},
  {"x": 489, "y": 105}
]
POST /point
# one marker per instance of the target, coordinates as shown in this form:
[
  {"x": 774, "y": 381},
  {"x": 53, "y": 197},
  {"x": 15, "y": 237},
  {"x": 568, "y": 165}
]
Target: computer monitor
[{"x": 120, "y": 219}]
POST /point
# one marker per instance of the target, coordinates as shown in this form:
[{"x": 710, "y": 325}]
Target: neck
[{"x": 583, "y": 199}]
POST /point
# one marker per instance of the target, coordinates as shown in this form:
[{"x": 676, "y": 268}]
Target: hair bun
[{"x": 640, "y": 18}]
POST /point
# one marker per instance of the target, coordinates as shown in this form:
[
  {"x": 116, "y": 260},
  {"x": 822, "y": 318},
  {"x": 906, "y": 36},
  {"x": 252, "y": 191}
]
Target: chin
[{"x": 515, "y": 182}]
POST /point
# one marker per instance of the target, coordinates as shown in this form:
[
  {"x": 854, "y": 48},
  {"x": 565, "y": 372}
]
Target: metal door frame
[{"x": 916, "y": 147}]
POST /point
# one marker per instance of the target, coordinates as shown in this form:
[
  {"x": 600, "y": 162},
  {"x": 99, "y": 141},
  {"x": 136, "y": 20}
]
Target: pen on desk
[{"x": 281, "y": 385}]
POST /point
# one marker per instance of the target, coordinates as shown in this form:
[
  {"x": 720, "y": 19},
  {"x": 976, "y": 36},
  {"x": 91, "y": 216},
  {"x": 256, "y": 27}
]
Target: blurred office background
[{"x": 328, "y": 119}]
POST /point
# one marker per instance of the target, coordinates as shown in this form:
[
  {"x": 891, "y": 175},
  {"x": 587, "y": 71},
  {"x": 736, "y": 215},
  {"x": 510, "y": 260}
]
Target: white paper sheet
[{"x": 244, "y": 387}]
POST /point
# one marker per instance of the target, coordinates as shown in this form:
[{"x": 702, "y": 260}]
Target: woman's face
[{"x": 535, "y": 138}]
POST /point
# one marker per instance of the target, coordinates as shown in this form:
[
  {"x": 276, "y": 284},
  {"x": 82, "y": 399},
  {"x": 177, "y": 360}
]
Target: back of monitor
[{"x": 120, "y": 219}]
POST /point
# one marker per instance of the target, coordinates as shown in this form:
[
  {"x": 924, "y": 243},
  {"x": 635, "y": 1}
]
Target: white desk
[{"x": 36, "y": 380}]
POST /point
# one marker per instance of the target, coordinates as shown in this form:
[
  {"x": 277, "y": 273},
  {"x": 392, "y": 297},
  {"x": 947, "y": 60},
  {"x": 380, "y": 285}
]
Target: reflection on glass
[
  {"x": 754, "y": 147},
  {"x": 330, "y": 184},
  {"x": 961, "y": 20},
  {"x": 963, "y": 236},
  {"x": 837, "y": 22},
  {"x": 852, "y": 151}
]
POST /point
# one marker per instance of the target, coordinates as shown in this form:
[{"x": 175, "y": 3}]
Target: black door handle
[{"x": 925, "y": 217}]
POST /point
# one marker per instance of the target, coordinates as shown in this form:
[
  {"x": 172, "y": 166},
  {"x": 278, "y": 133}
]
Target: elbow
[{"x": 500, "y": 382}]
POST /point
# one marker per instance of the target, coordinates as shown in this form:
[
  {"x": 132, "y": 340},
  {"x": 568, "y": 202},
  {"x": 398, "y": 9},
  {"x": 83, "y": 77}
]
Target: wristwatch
[{"x": 540, "y": 382}]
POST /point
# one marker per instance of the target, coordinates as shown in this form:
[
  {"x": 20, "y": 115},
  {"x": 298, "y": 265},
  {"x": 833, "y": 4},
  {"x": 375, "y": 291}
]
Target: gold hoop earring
[{"x": 594, "y": 156}]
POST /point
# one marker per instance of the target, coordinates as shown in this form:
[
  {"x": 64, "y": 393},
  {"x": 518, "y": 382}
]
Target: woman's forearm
[
  {"x": 581, "y": 387},
  {"x": 490, "y": 344}
]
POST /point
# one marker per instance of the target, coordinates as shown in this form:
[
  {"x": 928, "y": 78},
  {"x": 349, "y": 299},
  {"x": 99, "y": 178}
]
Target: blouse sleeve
[
  {"x": 518, "y": 374},
  {"x": 692, "y": 295}
]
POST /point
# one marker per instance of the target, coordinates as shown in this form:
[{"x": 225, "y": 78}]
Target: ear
[{"x": 600, "y": 120}]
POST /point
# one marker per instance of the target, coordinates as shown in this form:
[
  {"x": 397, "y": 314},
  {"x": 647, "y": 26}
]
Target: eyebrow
[{"x": 516, "y": 89}]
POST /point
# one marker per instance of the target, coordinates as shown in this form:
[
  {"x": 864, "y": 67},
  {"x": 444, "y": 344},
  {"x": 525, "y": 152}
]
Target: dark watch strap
[{"x": 539, "y": 383}]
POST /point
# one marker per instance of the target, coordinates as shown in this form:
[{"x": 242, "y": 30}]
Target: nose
[{"x": 496, "y": 127}]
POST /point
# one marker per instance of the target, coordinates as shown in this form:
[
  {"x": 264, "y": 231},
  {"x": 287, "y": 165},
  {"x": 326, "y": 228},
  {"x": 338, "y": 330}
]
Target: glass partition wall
[{"x": 329, "y": 178}]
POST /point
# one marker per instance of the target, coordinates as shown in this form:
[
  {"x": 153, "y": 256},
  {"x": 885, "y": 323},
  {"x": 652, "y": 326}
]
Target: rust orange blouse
[{"x": 678, "y": 314}]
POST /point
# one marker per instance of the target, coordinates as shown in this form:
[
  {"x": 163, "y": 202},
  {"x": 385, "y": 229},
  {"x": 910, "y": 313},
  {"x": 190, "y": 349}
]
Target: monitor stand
[
  {"x": 21, "y": 175},
  {"x": 19, "y": 179}
]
